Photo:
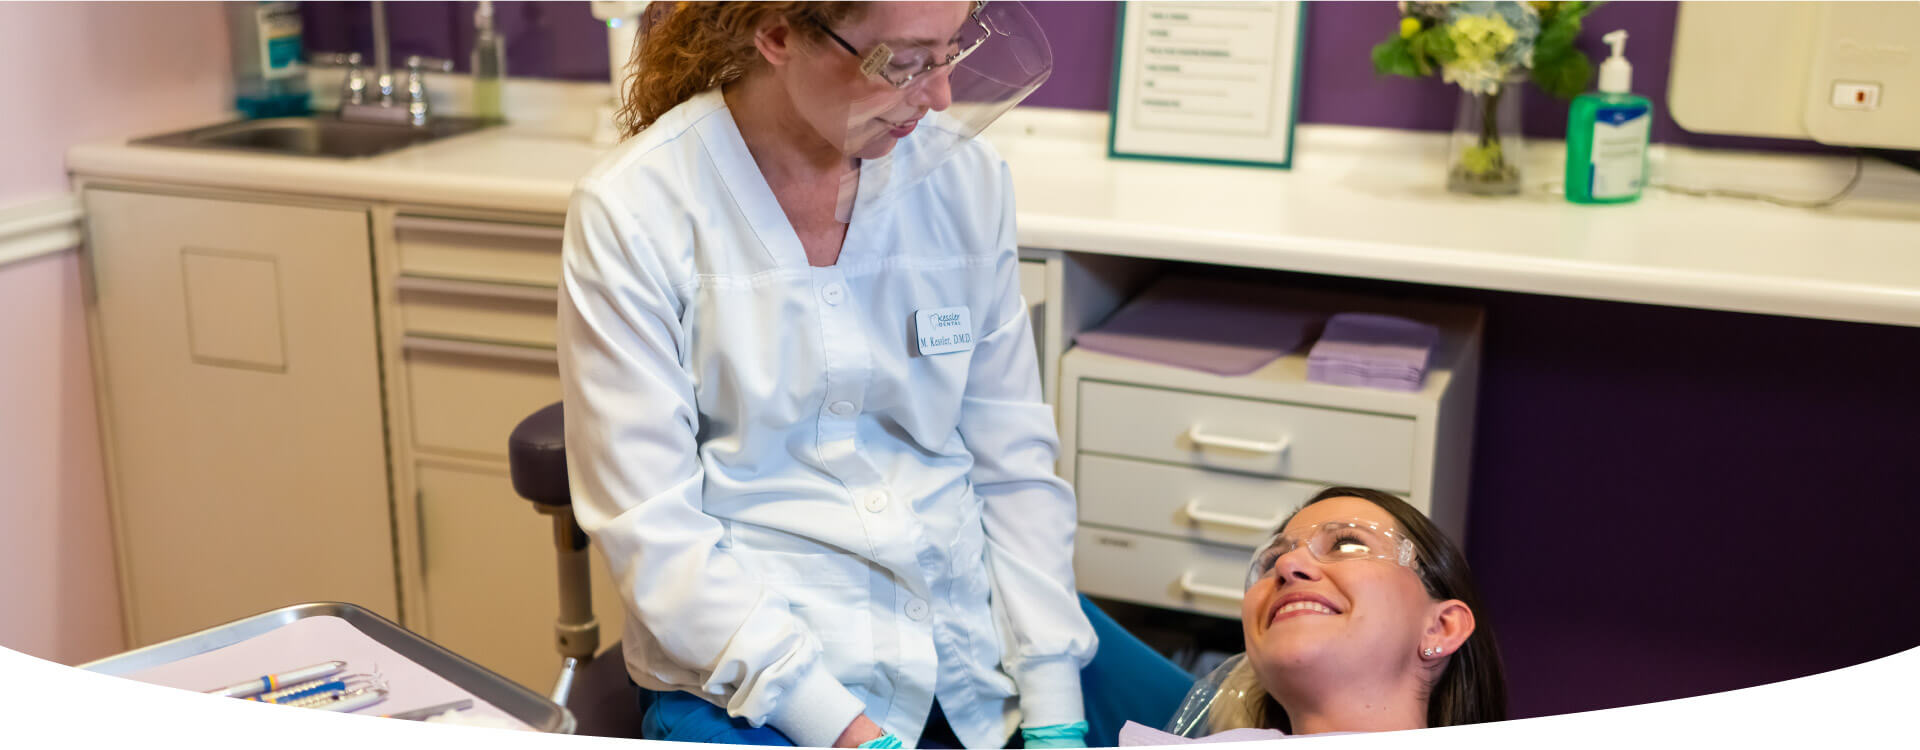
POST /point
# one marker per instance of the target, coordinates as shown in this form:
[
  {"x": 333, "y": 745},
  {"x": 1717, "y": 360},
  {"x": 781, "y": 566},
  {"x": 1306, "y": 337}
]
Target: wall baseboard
[{"x": 39, "y": 226}]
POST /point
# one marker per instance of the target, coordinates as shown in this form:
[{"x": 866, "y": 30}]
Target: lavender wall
[
  {"x": 74, "y": 73},
  {"x": 1666, "y": 502}
]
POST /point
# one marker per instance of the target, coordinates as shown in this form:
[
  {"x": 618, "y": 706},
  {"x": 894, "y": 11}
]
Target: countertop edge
[{"x": 370, "y": 180}]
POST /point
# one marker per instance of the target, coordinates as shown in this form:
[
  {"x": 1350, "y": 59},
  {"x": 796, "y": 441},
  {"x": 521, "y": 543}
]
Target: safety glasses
[
  {"x": 1335, "y": 541},
  {"x": 900, "y": 66}
]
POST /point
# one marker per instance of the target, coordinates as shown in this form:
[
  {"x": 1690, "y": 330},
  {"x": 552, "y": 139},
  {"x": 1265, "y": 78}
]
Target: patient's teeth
[{"x": 1309, "y": 606}]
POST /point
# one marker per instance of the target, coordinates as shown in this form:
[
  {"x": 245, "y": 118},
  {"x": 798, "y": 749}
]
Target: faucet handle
[
  {"x": 353, "y": 88},
  {"x": 337, "y": 58},
  {"x": 416, "y": 62},
  {"x": 417, "y": 106}
]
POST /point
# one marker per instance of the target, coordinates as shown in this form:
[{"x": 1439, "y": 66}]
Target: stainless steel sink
[{"x": 316, "y": 135}]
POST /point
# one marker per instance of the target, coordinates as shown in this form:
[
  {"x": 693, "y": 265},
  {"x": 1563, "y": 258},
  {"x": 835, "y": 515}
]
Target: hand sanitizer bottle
[{"x": 1607, "y": 135}]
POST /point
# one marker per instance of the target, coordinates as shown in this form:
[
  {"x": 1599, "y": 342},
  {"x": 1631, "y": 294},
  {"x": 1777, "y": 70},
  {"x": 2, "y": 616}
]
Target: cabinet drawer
[
  {"x": 1260, "y": 437},
  {"x": 467, "y": 397},
  {"x": 479, "y": 250},
  {"x": 1177, "y": 501},
  {"x": 483, "y": 311},
  {"x": 1158, "y": 572}
]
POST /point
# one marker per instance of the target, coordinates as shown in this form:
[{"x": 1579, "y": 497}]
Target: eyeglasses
[
  {"x": 1335, "y": 542},
  {"x": 899, "y": 67}
]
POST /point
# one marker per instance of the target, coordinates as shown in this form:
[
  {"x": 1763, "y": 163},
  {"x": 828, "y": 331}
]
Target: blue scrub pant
[{"x": 1126, "y": 681}]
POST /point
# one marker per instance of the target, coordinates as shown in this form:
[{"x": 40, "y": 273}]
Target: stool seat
[{"x": 537, "y": 457}]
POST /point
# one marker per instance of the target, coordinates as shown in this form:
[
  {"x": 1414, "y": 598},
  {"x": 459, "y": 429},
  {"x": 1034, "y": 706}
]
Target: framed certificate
[{"x": 1213, "y": 82}]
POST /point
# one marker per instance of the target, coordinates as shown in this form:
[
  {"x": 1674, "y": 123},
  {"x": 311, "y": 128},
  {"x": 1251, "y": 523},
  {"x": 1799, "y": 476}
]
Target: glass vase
[{"x": 1487, "y": 149}]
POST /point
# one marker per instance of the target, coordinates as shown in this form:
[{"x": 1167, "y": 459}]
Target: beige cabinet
[
  {"x": 472, "y": 340},
  {"x": 241, "y": 402}
]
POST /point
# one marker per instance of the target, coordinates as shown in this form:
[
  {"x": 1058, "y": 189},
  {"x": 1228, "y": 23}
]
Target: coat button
[
  {"x": 842, "y": 408},
  {"x": 833, "y": 293},
  {"x": 877, "y": 502},
  {"x": 917, "y": 609}
]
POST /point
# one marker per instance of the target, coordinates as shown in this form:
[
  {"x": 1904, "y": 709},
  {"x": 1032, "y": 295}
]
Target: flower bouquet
[{"x": 1484, "y": 47}]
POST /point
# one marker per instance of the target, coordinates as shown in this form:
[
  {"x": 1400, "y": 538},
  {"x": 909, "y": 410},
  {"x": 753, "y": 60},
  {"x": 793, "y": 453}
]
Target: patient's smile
[{"x": 1300, "y": 605}]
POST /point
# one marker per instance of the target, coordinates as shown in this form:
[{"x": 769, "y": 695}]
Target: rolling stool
[{"x": 593, "y": 686}]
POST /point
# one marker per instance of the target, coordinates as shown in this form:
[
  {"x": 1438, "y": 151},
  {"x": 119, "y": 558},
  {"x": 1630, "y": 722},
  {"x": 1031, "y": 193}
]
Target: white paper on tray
[{"x": 311, "y": 641}]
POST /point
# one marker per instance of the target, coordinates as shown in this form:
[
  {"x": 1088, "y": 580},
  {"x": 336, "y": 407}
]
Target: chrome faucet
[{"x": 354, "y": 103}]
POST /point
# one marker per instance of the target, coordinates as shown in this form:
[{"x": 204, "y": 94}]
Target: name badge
[{"x": 943, "y": 330}]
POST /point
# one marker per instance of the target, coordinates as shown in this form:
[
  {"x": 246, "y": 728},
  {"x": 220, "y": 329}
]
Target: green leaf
[
  {"x": 1392, "y": 57},
  {"x": 1440, "y": 46},
  {"x": 1557, "y": 37},
  {"x": 1417, "y": 48},
  {"x": 1564, "y": 75}
]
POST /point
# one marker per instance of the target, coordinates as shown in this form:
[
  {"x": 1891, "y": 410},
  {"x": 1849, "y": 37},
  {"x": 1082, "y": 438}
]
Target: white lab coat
[{"x": 807, "y": 519}]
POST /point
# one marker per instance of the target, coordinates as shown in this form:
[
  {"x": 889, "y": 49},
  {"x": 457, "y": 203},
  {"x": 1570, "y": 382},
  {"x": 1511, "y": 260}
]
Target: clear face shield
[{"x": 934, "y": 80}]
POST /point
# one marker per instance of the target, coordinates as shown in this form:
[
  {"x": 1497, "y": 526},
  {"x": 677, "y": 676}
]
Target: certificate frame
[{"x": 1129, "y": 138}]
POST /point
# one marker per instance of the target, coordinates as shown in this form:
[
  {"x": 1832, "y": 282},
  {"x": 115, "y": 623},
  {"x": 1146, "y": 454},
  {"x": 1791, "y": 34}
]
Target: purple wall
[
  {"x": 1338, "y": 85},
  {"x": 1659, "y": 497},
  {"x": 1666, "y": 502}
]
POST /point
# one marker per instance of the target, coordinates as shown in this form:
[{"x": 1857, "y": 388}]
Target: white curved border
[{"x": 1870, "y": 704}]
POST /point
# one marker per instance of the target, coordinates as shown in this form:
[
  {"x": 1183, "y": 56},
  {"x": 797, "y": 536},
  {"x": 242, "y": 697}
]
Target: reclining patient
[{"x": 1359, "y": 617}]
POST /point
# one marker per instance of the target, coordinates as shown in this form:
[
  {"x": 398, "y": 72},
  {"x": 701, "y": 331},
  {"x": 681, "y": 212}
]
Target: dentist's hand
[
  {"x": 1056, "y": 736},
  {"x": 862, "y": 730}
]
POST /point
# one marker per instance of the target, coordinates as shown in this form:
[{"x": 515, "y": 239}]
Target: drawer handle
[
  {"x": 484, "y": 289},
  {"x": 1202, "y": 439},
  {"x": 1194, "y": 512},
  {"x": 480, "y": 349},
  {"x": 1201, "y": 589},
  {"x": 544, "y": 232}
]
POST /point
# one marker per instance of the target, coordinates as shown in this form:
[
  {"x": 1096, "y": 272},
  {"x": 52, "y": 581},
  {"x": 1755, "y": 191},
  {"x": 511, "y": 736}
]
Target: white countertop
[{"x": 1359, "y": 202}]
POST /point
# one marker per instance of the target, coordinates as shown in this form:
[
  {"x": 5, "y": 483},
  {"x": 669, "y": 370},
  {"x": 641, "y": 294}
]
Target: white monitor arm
[{"x": 623, "y": 28}]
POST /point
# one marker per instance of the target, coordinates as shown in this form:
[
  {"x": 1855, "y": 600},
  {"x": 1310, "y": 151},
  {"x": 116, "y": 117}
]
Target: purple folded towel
[
  {"x": 1373, "y": 351},
  {"x": 1222, "y": 327}
]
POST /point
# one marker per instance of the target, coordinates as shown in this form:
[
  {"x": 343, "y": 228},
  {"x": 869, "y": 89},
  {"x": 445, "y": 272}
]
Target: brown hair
[
  {"x": 695, "y": 46},
  {"x": 1471, "y": 689}
]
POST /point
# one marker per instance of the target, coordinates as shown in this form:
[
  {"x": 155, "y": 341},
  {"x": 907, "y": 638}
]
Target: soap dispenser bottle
[
  {"x": 489, "y": 64},
  {"x": 1607, "y": 134}
]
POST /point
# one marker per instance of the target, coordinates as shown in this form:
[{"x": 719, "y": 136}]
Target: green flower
[
  {"x": 1481, "y": 52},
  {"x": 1480, "y": 39},
  {"x": 1481, "y": 159}
]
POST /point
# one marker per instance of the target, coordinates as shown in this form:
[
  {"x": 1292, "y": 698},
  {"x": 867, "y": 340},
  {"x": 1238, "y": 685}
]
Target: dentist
[{"x": 802, "y": 400}]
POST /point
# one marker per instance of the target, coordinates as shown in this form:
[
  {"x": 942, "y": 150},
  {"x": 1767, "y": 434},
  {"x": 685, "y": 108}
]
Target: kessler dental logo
[{"x": 943, "y": 330}]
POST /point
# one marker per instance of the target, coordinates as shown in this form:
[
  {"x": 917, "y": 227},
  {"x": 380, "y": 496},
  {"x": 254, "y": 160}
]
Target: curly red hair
[{"x": 694, "y": 46}]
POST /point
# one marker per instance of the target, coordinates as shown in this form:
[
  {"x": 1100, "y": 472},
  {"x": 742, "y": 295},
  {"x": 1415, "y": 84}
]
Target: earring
[{"x": 1432, "y": 652}]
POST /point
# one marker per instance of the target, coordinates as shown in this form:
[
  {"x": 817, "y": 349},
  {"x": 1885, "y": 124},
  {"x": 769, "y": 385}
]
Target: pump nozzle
[
  {"x": 1617, "y": 39},
  {"x": 1616, "y": 74}
]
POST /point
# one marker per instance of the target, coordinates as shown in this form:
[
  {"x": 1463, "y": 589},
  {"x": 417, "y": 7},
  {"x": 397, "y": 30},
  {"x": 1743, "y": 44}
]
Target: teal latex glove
[
  {"x": 885, "y": 742},
  {"x": 1058, "y": 735}
]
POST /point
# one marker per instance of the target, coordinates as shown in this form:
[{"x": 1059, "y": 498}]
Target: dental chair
[{"x": 595, "y": 686}]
